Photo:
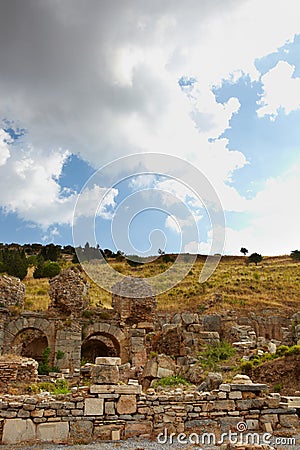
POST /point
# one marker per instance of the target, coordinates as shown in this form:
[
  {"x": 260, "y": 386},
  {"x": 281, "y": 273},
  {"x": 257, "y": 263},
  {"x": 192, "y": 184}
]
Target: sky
[{"x": 215, "y": 83}]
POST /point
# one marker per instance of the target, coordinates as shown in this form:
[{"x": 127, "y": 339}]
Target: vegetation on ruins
[
  {"x": 174, "y": 380},
  {"x": 213, "y": 355}
]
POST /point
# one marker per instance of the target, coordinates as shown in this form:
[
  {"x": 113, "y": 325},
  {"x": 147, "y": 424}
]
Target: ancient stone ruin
[
  {"x": 12, "y": 292},
  {"x": 134, "y": 300},
  {"x": 69, "y": 291},
  {"x": 127, "y": 349}
]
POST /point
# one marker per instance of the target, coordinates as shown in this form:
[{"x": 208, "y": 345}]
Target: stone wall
[
  {"x": 134, "y": 300},
  {"x": 115, "y": 411},
  {"x": 12, "y": 292},
  {"x": 14, "y": 369}
]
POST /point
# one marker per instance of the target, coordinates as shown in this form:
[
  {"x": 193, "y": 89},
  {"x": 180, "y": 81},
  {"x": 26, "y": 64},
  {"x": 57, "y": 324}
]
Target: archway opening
[
  {"x": 30, "y": 342},
  {"x": 99, "y": 344}
]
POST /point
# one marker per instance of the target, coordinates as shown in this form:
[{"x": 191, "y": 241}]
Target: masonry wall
[{"x": 120, "y": 411}]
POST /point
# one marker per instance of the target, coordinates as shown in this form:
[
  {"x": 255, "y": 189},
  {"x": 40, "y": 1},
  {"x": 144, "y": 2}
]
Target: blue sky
[{"x": 216, "y": 84}]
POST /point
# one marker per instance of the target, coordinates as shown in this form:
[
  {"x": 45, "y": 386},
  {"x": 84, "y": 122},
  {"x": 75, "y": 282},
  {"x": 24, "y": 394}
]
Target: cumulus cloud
[
  {"x": 280, "y": 91},
  {"x": 29, "y": 187},
  {"x": 274, "y": 218},
  {"x": 102, "y": 81},
  {"x": 4, "y": 146}
]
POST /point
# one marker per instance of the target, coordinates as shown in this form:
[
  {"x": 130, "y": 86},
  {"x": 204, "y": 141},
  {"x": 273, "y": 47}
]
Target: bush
[
  {"x": 281, "y": 350},
  {"x": 60, "y": 386},
  {"x": 174, "y": 380},
  {"x": 46, "y": 269},
  {"x": 50, "y": 269},
  {"x": 246, "y": 367},
  {"x": 295, "y": 255},
  {"x": 214, "y": 354},
  {"x": 294, "y": 350},
  {"x": 44, "y": 366}
]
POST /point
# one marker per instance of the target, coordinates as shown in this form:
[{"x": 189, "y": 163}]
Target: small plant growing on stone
[
  {"x": 174, "y": 380},
  {"x": 277, "y": 387},
  {"x": 211, "y": 357},
  {"x": 246, "y": 367},
  {"x": 59, "y": 355}
]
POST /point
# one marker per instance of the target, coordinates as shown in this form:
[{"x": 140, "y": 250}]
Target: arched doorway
[
  {"x": 30, "y": 342},
  {"x": 99, "y": 344}
]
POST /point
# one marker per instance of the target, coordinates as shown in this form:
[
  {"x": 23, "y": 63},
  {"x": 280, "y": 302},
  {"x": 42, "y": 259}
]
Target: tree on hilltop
[
  {"x": 295, "y": 254},
  {"x": 255, "y": 258},
  {"x": 244, "y": 251}
]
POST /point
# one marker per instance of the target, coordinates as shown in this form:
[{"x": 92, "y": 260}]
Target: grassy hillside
[{"x": 273, "y": 283}]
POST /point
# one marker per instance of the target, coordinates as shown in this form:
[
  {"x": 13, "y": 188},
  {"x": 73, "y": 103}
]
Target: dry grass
[{"x": 274, "y": 283}]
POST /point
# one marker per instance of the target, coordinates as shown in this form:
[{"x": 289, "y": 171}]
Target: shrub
[
  {"x": 174, "y": 380},
  {"x": 294, "y": 350},
  {"x": 59, "y": 354},
  {"x": 281, "y": 350},
  {"x": 50, "y": 269},
  {"x": 246, "y": 367},
  {"x": 214, "y": 354}
]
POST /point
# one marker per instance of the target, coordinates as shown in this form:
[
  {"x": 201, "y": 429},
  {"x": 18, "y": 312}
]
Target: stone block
[
  {"x": 82, "y": 429},
  {"x": 115, "y": 435},
  {"x": 18, "y": 430},
  {"x": 126, "y": 404},
  {"x": 252, "y": 424},
  {"x": 289, "y": 420},
  {"x": 104, "y": 432},
  {"x": 269, "y": 418},
  {"x": 128, "y": 389},
  {"x": 137, "y": 344},
  {"x": 102, "y": 389},
  {"x": 93, "y": 407},
  {"x": 254, "y": 387},
  {"x": 235, "y": 395},
  {"x": 222, "y": 405},
  {"x": 138, "y": 428},
  {"x": 53, "y": 432},
  {"x": 108, "y": 361},
  {"x": 224, "y": 387},
  {"x": 109, "y": 408},
  {"x": 105, "y": 374},
  {"x": 163, "y": 373},
  {"x": 268, "y": 427}
]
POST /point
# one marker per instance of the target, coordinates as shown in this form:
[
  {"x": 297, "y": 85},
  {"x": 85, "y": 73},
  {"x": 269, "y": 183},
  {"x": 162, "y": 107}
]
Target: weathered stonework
[
  {"x": 15, "y": 369},
  {"x": 113, "y": 412},
  {"x": 12, "y": 292},
  {"x": 69, "y": 292},
  {"x": 134, "y": 300}
]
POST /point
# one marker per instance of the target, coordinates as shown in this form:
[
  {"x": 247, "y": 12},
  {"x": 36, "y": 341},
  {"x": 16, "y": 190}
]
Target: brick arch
[
  {"x": 115, "y": 334},
  {"x": 20, "y": 325}
]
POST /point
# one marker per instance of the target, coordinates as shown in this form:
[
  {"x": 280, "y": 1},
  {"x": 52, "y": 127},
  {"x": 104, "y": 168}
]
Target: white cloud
[
  {"x": 280, "y": 91},
  {"x": 274, "y": 223},
  {"x": 103, "y": 82},
  {"x": 29, "y": 187},
  {"x": 4, "y": 146}
]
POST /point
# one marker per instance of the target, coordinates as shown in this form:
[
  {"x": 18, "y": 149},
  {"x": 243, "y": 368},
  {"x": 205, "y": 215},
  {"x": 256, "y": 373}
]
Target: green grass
[{"x": 274, "y": 283}]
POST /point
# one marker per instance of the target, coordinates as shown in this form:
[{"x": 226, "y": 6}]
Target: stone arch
[
  {"x": 39, "y": 332},
  {"x": 30, "y": 342},
  {"x": 103, "y": 339}
]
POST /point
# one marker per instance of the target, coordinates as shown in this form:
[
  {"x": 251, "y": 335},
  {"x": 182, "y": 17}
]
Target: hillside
[{"x": 275, "y": 283}]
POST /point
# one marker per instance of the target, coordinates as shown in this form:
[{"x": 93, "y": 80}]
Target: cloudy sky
[{"x": 213, "y": 82}]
